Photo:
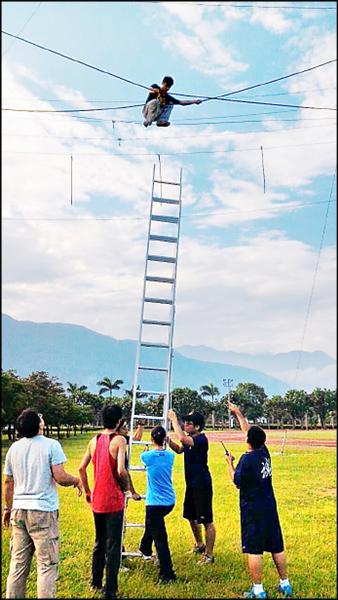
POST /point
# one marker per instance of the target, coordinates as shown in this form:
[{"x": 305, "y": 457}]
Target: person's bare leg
[
  {"x": 210, "y": 536},
  {"x": 197, "y": 532},
  {"x": 255, "y": 564},
  {"x": 280, "y": 562}
]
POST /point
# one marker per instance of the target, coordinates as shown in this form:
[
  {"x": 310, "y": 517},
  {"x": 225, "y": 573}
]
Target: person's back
[
  {"x": 107, "y": 452},
  {"x": 159, "y": 464},
  {"x": 253, "y": 476},
  {"x": 160, "y": 501},
  {"x": 107, "y": 496},
  {"x": 30, "y": 461},
  {"x": 260, "y": 527},
  {"x": 32, "y": 466}
]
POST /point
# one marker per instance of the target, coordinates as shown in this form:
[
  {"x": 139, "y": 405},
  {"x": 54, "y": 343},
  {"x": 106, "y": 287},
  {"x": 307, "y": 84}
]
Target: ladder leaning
[{"x": 153, "y": 363}]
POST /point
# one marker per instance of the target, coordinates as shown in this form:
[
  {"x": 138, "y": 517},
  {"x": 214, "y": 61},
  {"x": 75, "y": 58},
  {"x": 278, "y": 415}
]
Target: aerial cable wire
[
  {"x": 255, "y": 6},
  {"x": 80, "y": 62},
  {"x": 256, "y": 85},
  {"x": 309, "y": 305},
  {"x": 109, "y": 154},
  {"x": 204, "y": 98},
  {"x": 185, "y": 216},
  {"x": 22, "y": 28},
  {"x": 76, "y": 110}
]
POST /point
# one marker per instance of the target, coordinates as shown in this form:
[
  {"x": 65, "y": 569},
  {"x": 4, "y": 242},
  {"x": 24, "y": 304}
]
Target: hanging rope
[
  {"x": 263, "y": 169},
  {"x": 160, "y": 170},
  {"x": 71, "y": 180}
]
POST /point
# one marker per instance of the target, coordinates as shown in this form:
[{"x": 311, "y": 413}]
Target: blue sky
[{"x": 250, "y": 262}]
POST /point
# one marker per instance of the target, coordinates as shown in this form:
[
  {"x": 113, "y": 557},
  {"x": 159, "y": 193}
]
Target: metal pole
[{"x": 228, "y": 384}]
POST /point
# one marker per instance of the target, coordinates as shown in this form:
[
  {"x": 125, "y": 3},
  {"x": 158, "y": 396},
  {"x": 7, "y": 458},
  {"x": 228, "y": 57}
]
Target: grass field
[{"x": 305, "y": 487}]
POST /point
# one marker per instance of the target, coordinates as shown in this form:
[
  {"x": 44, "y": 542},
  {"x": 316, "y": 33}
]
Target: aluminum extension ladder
[{"x": 153, "y": 364}]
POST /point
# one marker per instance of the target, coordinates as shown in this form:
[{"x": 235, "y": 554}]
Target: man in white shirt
[{"x": 33, "y": 466}]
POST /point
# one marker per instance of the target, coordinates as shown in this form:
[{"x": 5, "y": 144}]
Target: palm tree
[
  {"x": 107, "y": 385},
  {"x": 209, "y": 390},
  {"x": 129, "y": 393},
  {"x": 76, "y": 391}
]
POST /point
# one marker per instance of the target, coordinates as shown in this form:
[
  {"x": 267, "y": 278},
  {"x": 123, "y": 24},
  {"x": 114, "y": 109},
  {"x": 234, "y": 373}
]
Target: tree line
[{"x": 74, "y": 407}]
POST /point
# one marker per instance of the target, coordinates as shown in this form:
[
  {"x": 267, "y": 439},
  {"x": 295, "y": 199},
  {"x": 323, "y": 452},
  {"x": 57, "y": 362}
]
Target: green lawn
[{"x": 305, "y": 487}]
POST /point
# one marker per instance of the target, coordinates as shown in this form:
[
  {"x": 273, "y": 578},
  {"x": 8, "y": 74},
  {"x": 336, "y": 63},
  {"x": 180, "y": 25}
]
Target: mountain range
[{"x": 77, "y": 354}]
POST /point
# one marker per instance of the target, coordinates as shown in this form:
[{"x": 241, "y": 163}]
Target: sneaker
[
  {"x": 198, "y": 549},
  {"x": 286, "y": 590},
  {"x": 145, "y": 557},
  {"x": 124, "y": 569},
  {"x": 252, "y": 594},
  {"x": 162, "y": 123},
  {"x": 206, "y": 559}
]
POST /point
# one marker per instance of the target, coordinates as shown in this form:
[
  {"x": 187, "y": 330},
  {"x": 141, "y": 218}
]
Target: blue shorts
[{"x": 261, "y": 531}]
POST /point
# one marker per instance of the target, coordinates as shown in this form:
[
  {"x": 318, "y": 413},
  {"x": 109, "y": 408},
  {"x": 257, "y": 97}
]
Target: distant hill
[
  {"x": 283, "y": 361},
  {"x": 80, "y": 355}
]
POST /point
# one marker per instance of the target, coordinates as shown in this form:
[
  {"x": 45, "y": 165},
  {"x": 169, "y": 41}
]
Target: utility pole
[{"x": 228, "y": 385}]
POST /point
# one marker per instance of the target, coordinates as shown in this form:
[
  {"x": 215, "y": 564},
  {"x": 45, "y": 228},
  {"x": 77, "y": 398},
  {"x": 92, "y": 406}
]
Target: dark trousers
[
  {"x": 155, "y": 531},
  {"x": 107, "y": 550}
]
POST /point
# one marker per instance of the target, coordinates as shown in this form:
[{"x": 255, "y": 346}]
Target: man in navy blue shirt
[
  {"x": 197, "y": 506},
  {"x": 260, "y": 527},
  {"x": 159, "y": 103}
]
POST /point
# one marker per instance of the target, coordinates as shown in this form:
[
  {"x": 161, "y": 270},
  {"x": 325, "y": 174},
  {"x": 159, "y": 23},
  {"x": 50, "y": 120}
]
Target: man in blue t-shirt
[
  {"x": 197, "y": 506},
  {"x": 160, "y": 501},
  {"x": 260, "y": 527},
  {"x": 159, "y": 103}
]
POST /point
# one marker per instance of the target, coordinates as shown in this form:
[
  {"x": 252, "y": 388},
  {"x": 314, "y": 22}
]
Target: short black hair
[
  {"x": 28, "y": 423},
  {"x": 256, "y": 436},
  {"x": 158, "y": 434},
  {"x": 196, "y": 418},
  {"x": 111, "y": 414},
  {"x": 168, "y": 80}
]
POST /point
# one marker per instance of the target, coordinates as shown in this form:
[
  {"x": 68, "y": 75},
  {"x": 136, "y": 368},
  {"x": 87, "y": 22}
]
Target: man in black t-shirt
[
  {"x": 197, "y": 506},
  {"x": 159, "y": 103},
  {"x": 260, "y": 527}
]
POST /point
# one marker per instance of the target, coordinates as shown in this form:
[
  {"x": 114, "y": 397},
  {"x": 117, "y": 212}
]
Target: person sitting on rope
[{"x": 159, "y": 103}]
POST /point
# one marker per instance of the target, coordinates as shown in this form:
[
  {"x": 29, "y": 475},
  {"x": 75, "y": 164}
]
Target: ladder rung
[
  {"x": 159, "y": 300},
  {"x": 160, "y": 279},
  {"x": 150, "y": 322},
  {"x": 165, "y": 200},
  {"x": 164, "y": 219},
  {"x": 143, "y": 497},
  {"x": 153, "y": 369},
  {"x": 132, "y": 554},
  {"x": 136, "y": 468},
  {"x": 166, "y": 182},
  {"x": 135, "y": 525},
  {"x": 157, "y": 258},
  {"x": 163, "y": 238},
  {"x": 151, "y": 393},
  {"x": 140, "y": 442},
  {"x": 149, "y": 417},
  {"x": 153, "y": 345}
]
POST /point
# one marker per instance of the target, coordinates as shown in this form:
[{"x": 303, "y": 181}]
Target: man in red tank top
[{"x": 107, "y": 451}]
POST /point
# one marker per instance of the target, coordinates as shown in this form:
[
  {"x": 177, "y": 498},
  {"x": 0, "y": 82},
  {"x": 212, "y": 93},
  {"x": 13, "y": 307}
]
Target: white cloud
[
  {"x": 308, "y": 379},
  {"x": 202, "y": 44},
  {"x": 249, "y": 296},
  {"x": 271, "y": 19}
]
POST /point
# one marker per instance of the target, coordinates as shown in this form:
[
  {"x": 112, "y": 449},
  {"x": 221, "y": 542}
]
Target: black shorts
[
  {"x": 197, "y": 504},
  {"x": 261, "y": 532}
]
